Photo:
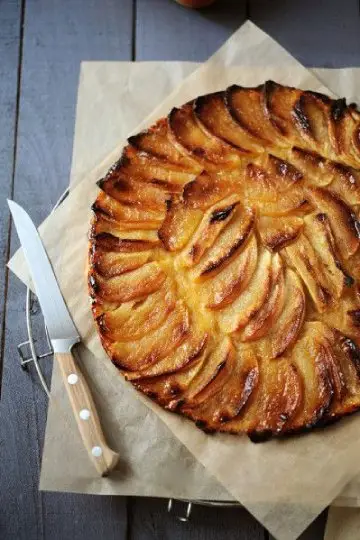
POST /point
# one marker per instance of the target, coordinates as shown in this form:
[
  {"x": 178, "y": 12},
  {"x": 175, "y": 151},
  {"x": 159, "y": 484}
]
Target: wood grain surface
[{"x": 42, "y": 43}]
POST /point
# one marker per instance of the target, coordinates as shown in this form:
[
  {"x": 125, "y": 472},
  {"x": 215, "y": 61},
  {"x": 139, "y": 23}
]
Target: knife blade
[
  {"x": 62, "y": 331},
  {"x": 63, "y": 336}
]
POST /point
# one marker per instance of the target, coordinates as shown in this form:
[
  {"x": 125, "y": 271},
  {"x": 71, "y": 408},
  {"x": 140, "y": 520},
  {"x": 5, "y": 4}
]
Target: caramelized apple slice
[
  {"x": 179, "y": 225},
  {"x": 288, "y": 325},
  {"x": 109, "y": 264},
  {"x": 230, "y": 282},
  {"x": 283, "y": 174},
  {"x": 155, "y": 141},
  {"x": 129, "y": 286},
  {"x": 301, "y": 256},
  {"x": 134, "y": 192},
  {"x": 214, "y": 221},
  {"x": 346, "y": 127},
  {"x": 345, "y": 183},
  {"x": 310, "y": 358},
  {"x": 343, "y": 221},
  {"x": 109, "y": 207},
  {"x": 250, "y": 301},
  {"x": 165, "y": 388},
  {"x": 215, "y": 371},
  {"x": 132, "y": 320},
  {"x": 260, "y": 192},
  {"x": 319, "y": 233},
  {"x": 107, "y": 242},
  {"x": 231, "y": 398},
  {"x": 279, "y": 102},
  {"x": 185, "y": 355},
  {"x": 314, "y": 167},
  {"x": 142, "y": 353},
  {"x": 312, "y": 113},
  {"x": 212, "y": 113},
  {"x": 190, "y": 139},
  {"x": 273, "y": 404},
  {"x": 148, "y": 167},
  {"x": 229, "y": 243},
  {"x": 246, "y": 106},
  {"x": 105, "y": 224},
  {"x": 345, "y": 355},
  {"x": 278, "y": 232},
  {"x": 207, "y": 190},
  {"x": 262, "y": 322}
]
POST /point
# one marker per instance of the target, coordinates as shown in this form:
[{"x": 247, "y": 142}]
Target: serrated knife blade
[{"x": 62, "y": 331}]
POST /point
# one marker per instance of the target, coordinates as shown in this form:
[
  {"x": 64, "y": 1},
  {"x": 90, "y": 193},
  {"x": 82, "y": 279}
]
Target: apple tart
[{"x": 224, "y": 261}]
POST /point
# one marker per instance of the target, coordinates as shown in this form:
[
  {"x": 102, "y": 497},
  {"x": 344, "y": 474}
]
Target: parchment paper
[{"x": 285, "y": 484}]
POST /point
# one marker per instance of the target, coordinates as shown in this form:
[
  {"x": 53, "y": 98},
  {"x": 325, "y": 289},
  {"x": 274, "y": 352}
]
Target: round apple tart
[{"x": 224, "y": 261}]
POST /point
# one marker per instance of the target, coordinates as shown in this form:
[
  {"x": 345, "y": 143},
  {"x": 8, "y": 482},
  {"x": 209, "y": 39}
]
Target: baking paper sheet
[{"x": 285, "y": 484}]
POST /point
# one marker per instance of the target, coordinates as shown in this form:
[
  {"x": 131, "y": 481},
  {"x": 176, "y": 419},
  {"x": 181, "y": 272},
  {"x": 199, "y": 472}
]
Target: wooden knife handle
[{"x": 86, "y": 415}]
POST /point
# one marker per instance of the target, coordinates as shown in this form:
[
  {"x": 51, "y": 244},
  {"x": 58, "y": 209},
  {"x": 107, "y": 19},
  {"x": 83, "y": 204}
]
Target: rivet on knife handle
[{"x": 86, "y": 416}]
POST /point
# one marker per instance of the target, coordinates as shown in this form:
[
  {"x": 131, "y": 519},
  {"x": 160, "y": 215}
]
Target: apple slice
[
  {"x": 185, "y": 355},
  {"x": 133, "y": 320},
  {"x": 130, "y": 191},
  {"x": 246, "y": 106},
  {"x": 346, "y": 357},
  {"x": 156, "y": 141},
  {"x": 310, "y": 358},
  {"x": 215, "y": 371},
  {"x": 345, "y": 183},
  {"x": 206, "y": 190},
  {"x": 278, "y": 232},
  {"x": 283, "y": 174},
  {"x": 279, "y": 102},
  {"x": 288, "y": 325},
  {"x": 190, "y": 139},
  {"x": 150, "y": 168},
  {"x": 312, "y": 113},
  {"x": 107, "y": 242},
  {"x": 232, "y": 397},
  {"x": 109, "y": 264},
  {"x": 129, "y": 286},
  {"x": 224, "y": 287},
  {"x": 319, "y": 233},
  {"x": 180, "y": 223},
  {"x": 214, "y": 221},
  {"x": 344, "y": 224},
  {"x": 230, "y": 241},
  {"x": 250, "y": 301},
  {"x": 169, "y": 388},
  {"x": 142, "y": 353},
  {"x": 263, "y": 321},
  {"x": 109, "y": 208},
  {"x": 346, "y": 134},
  {"x": 301, "y": 256},
  {"x": 213, "y": 115},
  {"x": 314, "y": 167},
  {"x": 275, "y": 401}
]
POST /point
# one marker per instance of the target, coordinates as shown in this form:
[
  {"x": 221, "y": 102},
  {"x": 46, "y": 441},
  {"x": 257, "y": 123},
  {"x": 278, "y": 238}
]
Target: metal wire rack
[{"x": 27, "y": 350}]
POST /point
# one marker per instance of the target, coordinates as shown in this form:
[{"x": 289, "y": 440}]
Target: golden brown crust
[{"x": 223, "y": 261}]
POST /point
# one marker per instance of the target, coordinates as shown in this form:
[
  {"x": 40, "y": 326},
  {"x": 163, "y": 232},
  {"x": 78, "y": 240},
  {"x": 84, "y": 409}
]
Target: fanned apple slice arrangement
[{"x": 224, "y": 261}]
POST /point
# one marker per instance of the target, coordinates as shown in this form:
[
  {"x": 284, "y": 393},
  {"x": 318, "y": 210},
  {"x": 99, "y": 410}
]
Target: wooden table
[{"x": 42, "y": 43}]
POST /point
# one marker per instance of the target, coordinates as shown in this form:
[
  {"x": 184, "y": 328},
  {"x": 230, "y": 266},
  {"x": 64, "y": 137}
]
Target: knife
[{"x": 63, "y": 335}]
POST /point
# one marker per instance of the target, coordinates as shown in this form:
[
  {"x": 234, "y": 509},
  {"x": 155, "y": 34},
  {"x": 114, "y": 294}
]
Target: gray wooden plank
[
  {"x": 167, "y": 31},
  {"x": 325, "y": 33},
  {"x": 57, "y": 37},
  {"x": 151, "y": 521},
  {"x": 10, "y": 14}
]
